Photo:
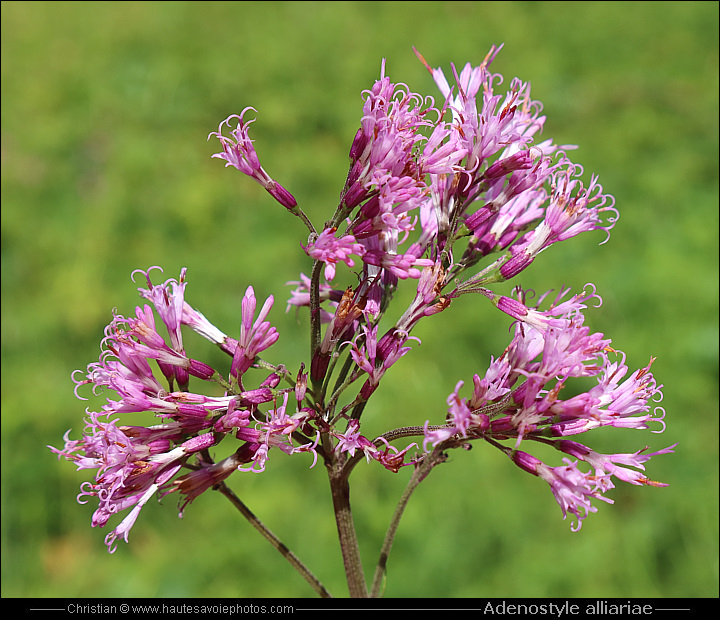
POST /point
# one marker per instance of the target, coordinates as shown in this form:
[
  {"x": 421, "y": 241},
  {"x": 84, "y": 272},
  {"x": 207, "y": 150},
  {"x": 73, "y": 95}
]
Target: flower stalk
[
  {"x": 274, "y": 541},
  {"x": 422, "y": 469}
]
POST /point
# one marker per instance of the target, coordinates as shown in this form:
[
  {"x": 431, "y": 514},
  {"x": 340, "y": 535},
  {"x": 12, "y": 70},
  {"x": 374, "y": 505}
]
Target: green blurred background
[{"x": 105, "y": 168}]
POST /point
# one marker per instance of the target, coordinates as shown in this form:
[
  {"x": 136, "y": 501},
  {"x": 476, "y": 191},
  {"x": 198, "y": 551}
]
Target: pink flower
[
  {"x": 572, "y": 488},
  {"x": 352, "y": 440},
  {"x": 240, "y": 153},
  {"x": 331, "y": 250},
  {"x": 402, "y": 266},
  {"x": 254, "y": 337},
  {"x": 130, "y": 469},
  {"x": 301, "y": 296}
]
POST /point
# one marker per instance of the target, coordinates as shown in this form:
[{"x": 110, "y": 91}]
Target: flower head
[
  {"x": 255, "y": 337},
  {"x": 332, "y": 250},
  {"x": 239, "y": 152},
  {"x": 519, "y": 399},
  {"x": 134, "y": 462},
  {"x": 572, "y": 488}
]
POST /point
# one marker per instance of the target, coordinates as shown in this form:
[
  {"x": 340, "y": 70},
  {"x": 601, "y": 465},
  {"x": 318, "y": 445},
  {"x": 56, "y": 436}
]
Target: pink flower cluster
[
  {"x": 134, "y": 462},
  {"x": 455, "y": 197},
  {"x": 519, "y": 399}
]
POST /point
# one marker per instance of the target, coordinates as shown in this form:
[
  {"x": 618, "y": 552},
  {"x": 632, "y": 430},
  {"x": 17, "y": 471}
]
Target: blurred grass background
[{"x": 105, "y": 168}]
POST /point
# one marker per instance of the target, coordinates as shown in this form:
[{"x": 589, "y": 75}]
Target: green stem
[
  {"x": 301, "y": 214},
  {"x": 274, "y": 540},
  {"x": 421, "y": 472}
]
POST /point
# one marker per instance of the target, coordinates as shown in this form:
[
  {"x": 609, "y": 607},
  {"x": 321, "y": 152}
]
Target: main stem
[{"x": 340, "y": 489}]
